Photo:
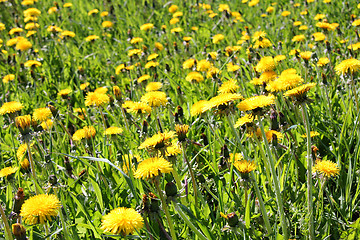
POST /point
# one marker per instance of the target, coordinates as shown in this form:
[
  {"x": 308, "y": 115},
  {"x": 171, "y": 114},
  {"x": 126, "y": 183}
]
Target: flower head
[
  {"x": 23, "y": 122},
  {"x": 221, "y": 101},
  {"x": 158, "y": 141},
  {"x": 155, "y": 99},
  {"x": 42, "y": 114},
  {"x": 217, "y": 38},
  {"x": 136, "y": 107},
  {"x": 203, "y": 65},
  {"x": 256, "y": 102},
  {"x": 153, "y": 86},
  {"x": 194, "y": 77},
  {"x": 198, "y": 107},
  {"x": 87, "y": 132},
  {"x": 299, "y": 93},
  {"x": 327, "y": 168},
  {"x": 284, "y": 82},
  {"x": 348, "y": 66},
  {"x": 151, "y": 167},
  {"x": 248, "y": 118},
  {"x": 32, "y": 63},
  {"x": 244, "y": 166},
  {"x": 230, "y": 86},
  {"x": 181, "y": 131},
  {"x": 5, "y": 172},
  {"x": 113, "y": 131},
  {"x": 323, "y": 61},
  {"x": 122, "y": 221},
  {"x": 10, "y": 107},
  {"x": 189, "y": 63},
  {"x": 91, "y": 38},
  {"x": 265, "y": 64},
  {"x": 96, "y": 99},
  {"x": 146, "y": 26}
]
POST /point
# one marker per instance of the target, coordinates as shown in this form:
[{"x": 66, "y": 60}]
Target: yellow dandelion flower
[
  {"x": 10, "y": 107},
  {"x": 230, "y": 86},
  {"x": 303, "y": 27},
  {"x": 198, "y": 108},
  {"x": 104, "y": 14},
  {"x": 256, "y": 102},
  {"x": 23, "y": 45},
  {"x": 244, "y": 166},
  {"x": 265, "y": 64},
  {"x": 146, "y": 26},
  {"x": 8, "y": 171},
  {"x": 284, "y": 82},
  {"x": 91, "y": 38},
  {"x": 32, "y": 63},
  {"x": 52, "y": 10},
  {"x": 232, "y": 67},
  {"x": 319, "y": 16},
  {"x": 298, "y": 38},
  {"x": 319, "y": 36},
  {"x": 269, "y": 135},
  {"x": 107, "y": 24},
  {"x": 32, "y": 12},
  {"x": 348, "y": 66},
  {"x": 354, "y": 46},
  {"x": 151, "y": 167},
  {"x": 67, "y": 5},
  {"x": 248, "y": 118},
  {"x": 312, "y": 134},
  {"x": 181, "y": 131},
  {"x": 153, "y": 86},
  {"x": 279, "y": 58},
  {"x": 113, "y": 131},
  {"x": 151, "y": 64},
  {"x": 218, "y": 38},
  {"x": 92, "y": 12},
  {"x": 96, "y": 99},
  {"x": 264, "y": 43},
  {"x": 42, "y": 114},
  {"x": 213, "y": 55},
  {"x": 194, "y": 77},
  {"x": 143, "y": 78},
  {"x": 32, "y": 26},
  {"x": 46, "y": 125},
  {"x": 7, "y": 79},
  {"x": 15, "y": 30},
  {"x": 299, "y": 92},
  {"x": 83, "y": 86},
  {"x": 159, "y": 46},
  {"x": 158, "y": 140},
  {"x": 173, "y": 149},
  {"x": 174, "y": 21},
  {"x": 306, "y": 55},
  {"x": 327, "y": 168},
  {"x": 187, "y": 39},
  {"x": 155, "y": 99},
  {"x": 189, "y": 63},
  {"x": 122, "y": 221},
  {"x": 136, "y": 40},
  {"x": 285, "y": 13},
  {"x": 40, "y": 208},
  {"x": 221, "y": 101},
  {"x": 136, "y": 107},
  {"x": 67, "y": 34},
  {"x": 64, "y": 92},
  {"x": 323, "y": 61},
  {"x": 152, "y": 56},
  {"x": 203, "y": 65},
  {"x": 23, "y": 122},
  {"x": 173, "y": 8}
]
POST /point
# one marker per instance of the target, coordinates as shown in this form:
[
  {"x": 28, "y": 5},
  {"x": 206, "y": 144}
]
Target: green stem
[
  {"x": 47, "y": 231},
  {"x": 188, "y": 222},
  {"x": 275, "y": 181},
  {"x": 6, "y": 223},
  {"x": 32, "y": 166},
  {"x": 62, "y": 217},
  {"x": 309, "y": 172},
  {"x": 191, "y": 174},
  {"x": 166, "y": 210},
  {"x": 257, "y": 190}
]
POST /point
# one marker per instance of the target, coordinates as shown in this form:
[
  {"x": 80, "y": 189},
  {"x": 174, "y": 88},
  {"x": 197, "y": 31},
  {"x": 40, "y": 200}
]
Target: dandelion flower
[
  {"x": 218, "y": 38},
  {"x": 136, "y": 40},
  {"x": 10, "y": 107},
  {"x": 146, "y": 26},
  {"x": 152, "y": 56},
  {"x": 312, "y": 134},
  {"x": 327, "y": 168},
  {"x": 248, "y": 118},
  {"x": 279, "y": 58},
  {"x": 32, "y": 63},
  {"x": 136, "y": 107},
  {"x": 319, "y": 36},
  {"x": 23, "y": 45},
  {"x": 284, "y": 82},
  {"x": 64, "y": 92},
  {"x": 198, "y": 108},
  {"x": 189, "y": 63},
  {"x": 256, "y": 102},
  {"x": 203, "y": 65},
  {"x": 122, "y": 221},
  {"x": 194, "y": 77},
  {"x": 5, "y": 172},
  {"x": 113, "y": 131},
  {"x": 244, "y": 166},
  {"x": 221, "y": 101},
  {"x": 151, "y": 64},
  {"x": 143, "y": 78},
  {"x": 153, "y": 86},
  {"x": 298, "y": 38},
  {"x": 265, "y": 64},
  {"x": 67, "y": 34},
  {"x": 23, "y": 122},
  {"x": 8, "y": 78},
  {"x": 348, "y": 66},
  {"x": 155, "y": 99},
  {"x": 158, "y": 140},
  {"x": 42, "y": 114},
  {"x": 230, "y": 86},
  {"x": 107, "y": 24},
  {"x": 323, "y": 61},
  {"x": 92, "y": 12},
  {"x": 40, "y": 208},
  {"x": 151, "y": 167},
  {"x": 96, "y": 99},
  {"x": 173, "y": 8},
  {"x": 91, "y": 38},
  {"x": 299, "y": 93}
]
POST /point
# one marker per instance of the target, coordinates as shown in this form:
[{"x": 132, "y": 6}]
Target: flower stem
[
  {"x": 166, "y": 210},
  {"x": 275, "y": 181},
  {"x": 257, "y": 190},
  {"x": 32, "y": 166},
  {"x": 309, "y": 172},
  {"x": 6, "y": 223},
  {"x": 191, "y": 173},
  {"x": 62, "y": 217}
]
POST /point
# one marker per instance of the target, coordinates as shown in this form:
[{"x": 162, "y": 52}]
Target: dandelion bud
[
  {"x": 170, "y": 189},
  {"x": 175, "y": 46},
  {"x": 23, "y": 124},
  {"x": 324, "y": 78},
  {"x": 328, "y": 47},
  {"x": 181, "y": 131},
  {"x": 19, "y": 231},
  {"x": 53, "y": 180},
  {"x": 176, "y": 115},
  {"x": 282, "y": 119},
  {"x": 145, "y": 126},
  {"x": 154, "y": 203},
  {"x": 314, "y": 150},
  {"x": 180, "y": 111},
  {"x": 232, "y": 219},
  {"x": 274, "y": 120},
  {"x": 205, "y": 139},
  {"x": 18, "y": 201},
  {"x": 117, "y": 92}
]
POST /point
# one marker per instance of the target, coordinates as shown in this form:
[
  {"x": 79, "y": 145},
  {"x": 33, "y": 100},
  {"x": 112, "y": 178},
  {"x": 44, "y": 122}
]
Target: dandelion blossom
[
  {"x": 40, "y": 208},
  {"x": 7, "y": 171},
  {"x": 256, "y": 102},
  {"x": 348, "y": 66},
  {"x": 151, "y": 167},
  {"x": 122, "y": 221},
  {"x": 327, "y": 168},
  {"x": 10, "y": 107},
  {"x": 155, "y": 99},
  {"x": 42, "y": 114}
]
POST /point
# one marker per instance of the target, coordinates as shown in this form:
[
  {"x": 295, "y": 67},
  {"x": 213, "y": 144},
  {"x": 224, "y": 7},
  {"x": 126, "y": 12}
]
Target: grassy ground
[{"x": 283, "y": 197}]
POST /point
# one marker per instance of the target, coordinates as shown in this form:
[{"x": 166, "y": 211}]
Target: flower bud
[
  {"x": 19, "y": 231},
  {"x": 170, "y": 189}
]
